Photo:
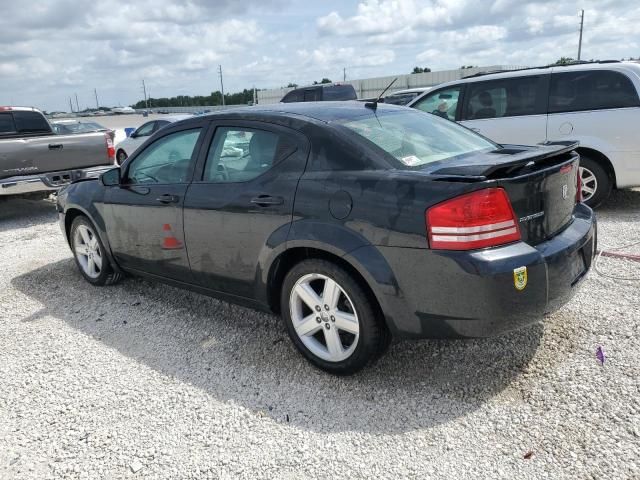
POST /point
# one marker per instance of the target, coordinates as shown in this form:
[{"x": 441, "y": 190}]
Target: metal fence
[{"x": 371, "y": 87}]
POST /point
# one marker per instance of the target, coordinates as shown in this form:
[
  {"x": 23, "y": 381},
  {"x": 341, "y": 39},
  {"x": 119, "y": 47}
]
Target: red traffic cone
[{"x": 170, "y": 242}]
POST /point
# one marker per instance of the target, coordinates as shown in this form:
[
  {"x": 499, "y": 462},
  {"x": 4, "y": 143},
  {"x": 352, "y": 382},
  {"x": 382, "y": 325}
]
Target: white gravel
[{"x": 142, "y": 380}]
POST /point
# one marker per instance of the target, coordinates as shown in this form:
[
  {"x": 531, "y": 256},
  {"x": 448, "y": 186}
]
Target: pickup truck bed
[{"x": 33, "y": 158}]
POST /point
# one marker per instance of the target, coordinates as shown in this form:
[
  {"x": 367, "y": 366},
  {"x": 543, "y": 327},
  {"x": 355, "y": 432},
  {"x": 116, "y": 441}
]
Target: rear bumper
[
  {"x": 445, "y": 294},
  {"x": 47, "y": 181}
]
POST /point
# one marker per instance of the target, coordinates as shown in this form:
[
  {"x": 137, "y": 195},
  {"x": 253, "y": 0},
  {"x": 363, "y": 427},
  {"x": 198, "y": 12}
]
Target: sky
[{"x": 51, "y": 50}]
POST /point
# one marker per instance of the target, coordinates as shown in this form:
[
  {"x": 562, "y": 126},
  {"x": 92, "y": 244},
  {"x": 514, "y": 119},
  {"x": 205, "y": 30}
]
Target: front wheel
[
  {"x": 89, "y": 253},
  {"x": 330, "y": 318}
]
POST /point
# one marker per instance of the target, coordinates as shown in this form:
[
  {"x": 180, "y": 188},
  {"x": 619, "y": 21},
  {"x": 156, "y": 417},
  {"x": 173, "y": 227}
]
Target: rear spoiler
[{"x": 521, "y": 156}]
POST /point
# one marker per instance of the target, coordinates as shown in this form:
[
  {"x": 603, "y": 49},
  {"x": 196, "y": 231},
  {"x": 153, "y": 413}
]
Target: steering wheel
[{"x": 222, "y": 172}]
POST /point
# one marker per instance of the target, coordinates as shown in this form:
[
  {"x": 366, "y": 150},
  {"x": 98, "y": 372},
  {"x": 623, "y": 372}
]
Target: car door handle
[
  {"x": 267, "y": 200},
  {"x": 55, "y": 146},
  {"x": 167, "y": 198}
]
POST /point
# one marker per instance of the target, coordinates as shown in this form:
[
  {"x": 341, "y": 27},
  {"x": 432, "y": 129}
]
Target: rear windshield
[{"x": 416, "y": 138}]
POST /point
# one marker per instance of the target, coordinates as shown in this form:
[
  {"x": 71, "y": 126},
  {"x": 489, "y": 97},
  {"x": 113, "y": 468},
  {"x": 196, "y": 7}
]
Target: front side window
[
  {"x": 145, "y": 130},
  {"x": 167, "y": 160},
  {"x": 591, "y": 90},
  {"x": 442, "y": 103},
  {"x": 242, "y": 154},
  {"x": 416, "y": 139}
]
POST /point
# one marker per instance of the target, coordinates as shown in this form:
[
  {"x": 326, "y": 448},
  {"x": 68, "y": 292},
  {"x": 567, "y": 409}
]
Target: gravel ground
[{"x": 146, "y": 381}]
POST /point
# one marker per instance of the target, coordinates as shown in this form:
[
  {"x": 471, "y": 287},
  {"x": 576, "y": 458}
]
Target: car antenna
[{"x": 374, "y": 104}]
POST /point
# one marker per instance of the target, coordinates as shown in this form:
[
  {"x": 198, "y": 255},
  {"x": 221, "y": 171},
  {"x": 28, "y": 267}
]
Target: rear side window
[
  {"x": 339, "y": 92},
  {"x": 30, "y": 122},
  {"x": 6, "y": 123},
  {"x": 509, "y": 97},
  {"x": 591, "y": 90},
  {"x": 242, "y": 154},
  {"x": 312, "y": 95}
]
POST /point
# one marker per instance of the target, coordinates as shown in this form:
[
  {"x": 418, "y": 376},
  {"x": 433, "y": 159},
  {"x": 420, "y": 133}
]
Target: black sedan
[{"x": 357, "y": 222}]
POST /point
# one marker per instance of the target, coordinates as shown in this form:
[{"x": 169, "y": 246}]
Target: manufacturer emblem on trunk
[
  {"x": 565, "y": 191},
  {"x": 520, "y": 278}
]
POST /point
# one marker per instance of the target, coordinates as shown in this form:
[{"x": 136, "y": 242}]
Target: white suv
[{"x": 596, "y": 104}]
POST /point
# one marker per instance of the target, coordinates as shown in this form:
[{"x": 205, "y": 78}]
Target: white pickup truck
[{"x": 35, "y": 159}]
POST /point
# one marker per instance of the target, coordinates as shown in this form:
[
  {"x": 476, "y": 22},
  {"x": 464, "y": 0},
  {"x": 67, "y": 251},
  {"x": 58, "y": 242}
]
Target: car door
[
  {"x": 144, "y": 213},
  {"x": 508, "y": 110},
  {"x": 241, "y": 202}
]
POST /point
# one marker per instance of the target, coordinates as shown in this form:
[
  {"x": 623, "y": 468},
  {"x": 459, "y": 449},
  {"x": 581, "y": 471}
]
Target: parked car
[
  {"x": 402, "y": 97},
  {"x": 129, "y": 145},
  {"x": 356, "y": 223},
  {"x": 35, "y": 159},
  {"x": 596, "y": 104},
  {"x": 325, "y": 92},
  {"x": 70, "y": 126}
]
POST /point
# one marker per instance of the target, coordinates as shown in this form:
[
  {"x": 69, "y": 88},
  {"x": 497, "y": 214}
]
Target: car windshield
[{"x": 415, "y": 138}]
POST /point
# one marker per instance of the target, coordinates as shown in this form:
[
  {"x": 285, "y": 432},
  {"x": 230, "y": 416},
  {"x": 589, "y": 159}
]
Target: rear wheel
[
  {"x": 89, "y": 254},
  {"x": 121, "y": 156},
  {"x": 330, "y": 318},
  {"x": 596, "y": 182}
]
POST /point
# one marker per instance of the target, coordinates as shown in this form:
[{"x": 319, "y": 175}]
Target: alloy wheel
[
  {"x": 87, "y": 251},
  {"x": 324, "y": 317},
  {"x": 589, "y": 183}
]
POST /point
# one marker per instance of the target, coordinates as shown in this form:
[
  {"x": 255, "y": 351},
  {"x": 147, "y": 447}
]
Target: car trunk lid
[{"x": 541, "y": 183}]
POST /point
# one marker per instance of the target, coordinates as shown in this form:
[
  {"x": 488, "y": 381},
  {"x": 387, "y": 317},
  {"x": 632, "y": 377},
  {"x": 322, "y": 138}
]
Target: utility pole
[
  {"x": 221, "y": 84},
  {"x": 144, "y": 90},
  {"x": 70, "y": 105},
  {"x": 96, "y": 94},
  {"x": 580, "y": 41},
  {"x": 344, "y": 74},
  {"x": 255, "y": 100},
  {"x": 77, "y": 105}
]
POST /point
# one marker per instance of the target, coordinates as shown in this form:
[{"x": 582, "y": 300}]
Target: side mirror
[{"x": 111, "y": 178}]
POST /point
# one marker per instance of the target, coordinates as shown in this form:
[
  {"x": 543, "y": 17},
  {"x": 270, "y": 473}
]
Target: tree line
[{"x": 239, "y": 98}]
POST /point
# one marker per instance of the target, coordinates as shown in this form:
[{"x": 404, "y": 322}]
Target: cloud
[{"x": 53, "y": 50}]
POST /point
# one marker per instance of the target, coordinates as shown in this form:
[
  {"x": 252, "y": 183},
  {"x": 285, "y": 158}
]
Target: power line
[{"x": 580, "y": 41}]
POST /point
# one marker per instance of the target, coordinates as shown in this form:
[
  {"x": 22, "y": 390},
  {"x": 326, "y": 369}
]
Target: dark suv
[{"x": 321, "y": 93}]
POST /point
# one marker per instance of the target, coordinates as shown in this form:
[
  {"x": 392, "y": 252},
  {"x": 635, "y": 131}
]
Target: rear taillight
[
  {"x": 111, "y": 151},
  {"x": 475, "y": 220}
]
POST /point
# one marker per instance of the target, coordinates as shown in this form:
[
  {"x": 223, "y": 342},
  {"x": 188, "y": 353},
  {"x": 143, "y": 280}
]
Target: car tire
[
  {"x": 596, "y": 182},
  {"x": 347, "y": 333},
  {"x": 88, "y": 250},
  {"x": 121, "y": 156}
]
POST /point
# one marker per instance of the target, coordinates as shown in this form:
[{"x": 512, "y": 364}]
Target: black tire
[
  {"x": 373, "y": 338},
  {"x": 107, "y": 275},
  {"x": 121, "y": 156},
  {"x": 603, "y": 184}
]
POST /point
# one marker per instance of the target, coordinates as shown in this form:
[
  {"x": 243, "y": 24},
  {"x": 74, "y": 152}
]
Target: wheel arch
[
  {"x": 290, "y": 257},
  {"x": 601, "y": 158},
  {"x": 74, "y": 211}
]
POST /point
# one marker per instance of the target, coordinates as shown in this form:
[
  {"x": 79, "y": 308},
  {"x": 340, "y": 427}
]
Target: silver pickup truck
[{"x": 35, "y": 159}]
